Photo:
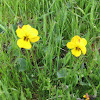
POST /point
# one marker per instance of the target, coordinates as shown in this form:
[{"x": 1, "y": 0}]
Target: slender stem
[
  {"x": 35, "y": 64},
  {"x": 33, "y": 57}
]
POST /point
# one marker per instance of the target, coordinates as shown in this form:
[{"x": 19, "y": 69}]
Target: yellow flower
[
  {"x": 77, "y": 45},
  {"x": 26, "y": 34},
  {"x": 86, "y": 96}
]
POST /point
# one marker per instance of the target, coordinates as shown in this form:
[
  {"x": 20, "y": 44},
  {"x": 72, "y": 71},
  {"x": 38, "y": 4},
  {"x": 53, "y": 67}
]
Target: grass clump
[{"x": 49, "y": 71}]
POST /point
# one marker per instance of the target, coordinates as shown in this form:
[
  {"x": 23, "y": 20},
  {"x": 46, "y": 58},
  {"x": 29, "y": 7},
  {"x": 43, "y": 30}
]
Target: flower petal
[
  {"x": 70, "y": 45},
  {"x": 83, "y": 40},
  {"x": 35, "y": 39},
  {"x": 24, "y": 44},
  {"x": 75, "y": 52},
  {"x": 84, "y": 96},
  {"x": 75, "y": 39},
  {"x": 20, "y": 32},
  {"x": 29, "y": 31},
  {"x": 83, "y": 49}
]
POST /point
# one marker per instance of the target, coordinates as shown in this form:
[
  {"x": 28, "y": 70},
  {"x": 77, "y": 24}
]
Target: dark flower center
[
  {"x": 26, "y": 38},
  {"x": 77, "y": 48}
]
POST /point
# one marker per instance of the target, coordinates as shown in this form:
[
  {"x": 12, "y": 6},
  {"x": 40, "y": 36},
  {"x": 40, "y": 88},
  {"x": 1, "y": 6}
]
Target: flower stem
[{"x": 33, "y": 57}]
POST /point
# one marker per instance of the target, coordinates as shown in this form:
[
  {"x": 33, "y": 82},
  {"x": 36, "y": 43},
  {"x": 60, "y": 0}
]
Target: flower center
[
  {"x": 77, "y": 48},
  {"x": 26, "y": 38}
]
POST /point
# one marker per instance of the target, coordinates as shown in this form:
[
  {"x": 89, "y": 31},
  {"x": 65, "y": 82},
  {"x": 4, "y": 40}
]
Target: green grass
[{"x": 48, "y": 71}]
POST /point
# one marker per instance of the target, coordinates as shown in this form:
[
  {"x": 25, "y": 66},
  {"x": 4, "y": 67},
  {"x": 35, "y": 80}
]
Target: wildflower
[
  {"x": 77, "y": 45},
  {"x": 86, "y": 96},
  {"x": 26, "y": 34}
]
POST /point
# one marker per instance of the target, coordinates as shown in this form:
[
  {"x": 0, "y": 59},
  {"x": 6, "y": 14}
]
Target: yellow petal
[
  {"x": 75, "y": 39},
  {"x": 75, "y": 52},
  {"x": 70, "y": 45},
  {"x": 83, "y": 40},
  {"x": 35, "y": 39},
  {"x": 20, "y": 32},
  {"x": 29, "y": 31},
  {"x": 87, "y": 98},
  {"x": 83, "y": 49},
  {"x": 84, "y": 96},
  {"x": 24, "y": 44}
]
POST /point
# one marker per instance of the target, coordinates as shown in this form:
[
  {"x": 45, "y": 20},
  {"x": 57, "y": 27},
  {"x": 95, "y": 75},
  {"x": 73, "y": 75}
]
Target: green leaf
[
  {"x": 28, "y": 93},
  {"x": 22, "y": 97},
  {"x": 13, "y": 50},
  {"x": 2, "y": 28},
  {"x": 21, "y": 64},
  {"x": 66, "y": 59},
  {"x": 62, "y": 73}
]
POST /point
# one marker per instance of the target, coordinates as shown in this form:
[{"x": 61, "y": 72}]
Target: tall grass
[{"x": 48, "y": 71}]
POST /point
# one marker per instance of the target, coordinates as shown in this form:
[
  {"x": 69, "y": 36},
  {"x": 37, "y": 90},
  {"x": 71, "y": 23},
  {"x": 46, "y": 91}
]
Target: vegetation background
[{"x": 49, "y": 71}]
